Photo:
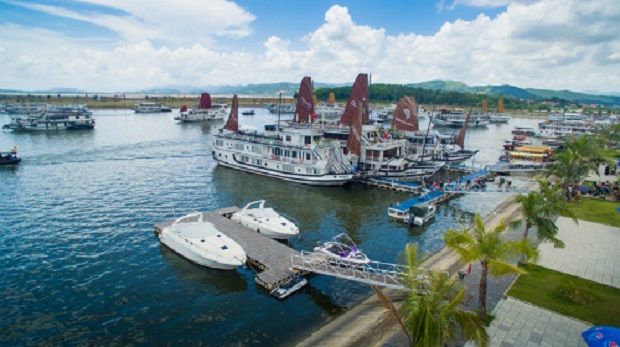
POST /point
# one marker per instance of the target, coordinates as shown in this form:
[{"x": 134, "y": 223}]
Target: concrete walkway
[
  {"x": 518, "y": 323},
  {"x": 591, "y": 251}
]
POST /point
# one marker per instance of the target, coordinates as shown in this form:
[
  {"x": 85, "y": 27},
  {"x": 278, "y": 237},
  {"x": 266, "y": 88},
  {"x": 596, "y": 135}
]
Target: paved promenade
[
  {"x": 518, "y": 323},
  {"x": 591, "y": 251}
]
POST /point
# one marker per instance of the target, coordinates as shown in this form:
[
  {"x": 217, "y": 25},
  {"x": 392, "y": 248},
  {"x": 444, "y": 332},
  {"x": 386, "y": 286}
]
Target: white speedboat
[
  {"x": 342, "y": 248},
  {"x": 288, "y": 288},
  {"x": 265, "y": 221},
  {"x": 202, "y": 243}
]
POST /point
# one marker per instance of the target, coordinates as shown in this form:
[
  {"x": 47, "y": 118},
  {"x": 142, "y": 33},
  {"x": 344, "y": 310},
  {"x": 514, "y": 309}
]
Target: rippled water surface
[{"x": 80, "y": 264}]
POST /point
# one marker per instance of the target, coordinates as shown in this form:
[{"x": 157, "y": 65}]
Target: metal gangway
[
  {"x": 488, "y": 189},
  {"x": 373, "y": 273}
]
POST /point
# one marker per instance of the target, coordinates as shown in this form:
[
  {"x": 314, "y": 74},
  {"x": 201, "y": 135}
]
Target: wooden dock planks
[{"x": 263, "y": 253}]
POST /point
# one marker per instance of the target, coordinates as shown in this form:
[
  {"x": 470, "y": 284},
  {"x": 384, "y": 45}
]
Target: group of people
[{"x": 476, "y": 184}]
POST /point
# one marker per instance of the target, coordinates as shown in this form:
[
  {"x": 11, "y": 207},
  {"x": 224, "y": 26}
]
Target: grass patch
[
  {"x": 598, "y": 211},
  {"x": 568, "y": 295}
]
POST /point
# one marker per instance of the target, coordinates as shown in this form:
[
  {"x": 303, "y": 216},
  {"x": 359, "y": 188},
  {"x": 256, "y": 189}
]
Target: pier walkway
[
  {"x": 263, "y": 253},
  {"x": 373, "y": 273}
]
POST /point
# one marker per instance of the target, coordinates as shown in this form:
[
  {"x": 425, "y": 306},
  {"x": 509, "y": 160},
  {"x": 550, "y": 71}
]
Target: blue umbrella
[{"x": 601, "y": 336}]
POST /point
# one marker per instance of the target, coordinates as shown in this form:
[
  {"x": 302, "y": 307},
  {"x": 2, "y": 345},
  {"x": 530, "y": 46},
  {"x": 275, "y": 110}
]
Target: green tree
[
  {"x": 489, "y": 249},
  {"x": 431, "y": 313}
]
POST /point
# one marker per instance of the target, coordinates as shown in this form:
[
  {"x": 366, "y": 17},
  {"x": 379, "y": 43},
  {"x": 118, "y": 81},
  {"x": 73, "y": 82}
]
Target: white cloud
[
  {"x": 558, "y": 44},
  {"x": 175, "y": 23}
]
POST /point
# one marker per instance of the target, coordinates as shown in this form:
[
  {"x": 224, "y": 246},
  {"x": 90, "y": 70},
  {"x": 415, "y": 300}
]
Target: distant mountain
[
  {"x": 262, "y": 89},
  {"x": 521, "y": 93}
]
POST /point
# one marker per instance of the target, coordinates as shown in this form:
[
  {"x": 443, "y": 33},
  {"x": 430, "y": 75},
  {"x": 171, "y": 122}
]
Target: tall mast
[
  {"x": 428, "y": 128},
  {"x": 279, "y": 108}
]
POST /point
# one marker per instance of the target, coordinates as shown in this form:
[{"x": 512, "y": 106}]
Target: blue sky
[{"x": 115, "y": 45}]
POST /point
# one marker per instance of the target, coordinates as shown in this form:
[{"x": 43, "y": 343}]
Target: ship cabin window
[
  {"x": 239, "y": 146},
  {"x": 307, "y": 140},
  {"x": 316, "y": 139},
  {"x": 287, "y": 153},
  {"x": 277, "y": 151},
  {"x": 219, "y": 142},
  {"x": 288, "y": 138},
  {"x": 293, "y": 154},
  {"x": 373, "y": 155},
  {"x": 308, "y": 156}
]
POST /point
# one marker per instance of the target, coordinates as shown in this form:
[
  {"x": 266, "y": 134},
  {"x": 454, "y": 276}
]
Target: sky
[{"x": 128, "y": 45}]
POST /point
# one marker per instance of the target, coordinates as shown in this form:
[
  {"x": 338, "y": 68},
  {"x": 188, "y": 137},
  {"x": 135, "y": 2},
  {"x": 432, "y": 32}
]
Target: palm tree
[
  {"x": 491, "y": 250},
  {"x": 538, "y": 210},
  {"x": 573, "y": 161},
  {"x": 431, "y": 313},
  {"x": 434, "y": 317}
]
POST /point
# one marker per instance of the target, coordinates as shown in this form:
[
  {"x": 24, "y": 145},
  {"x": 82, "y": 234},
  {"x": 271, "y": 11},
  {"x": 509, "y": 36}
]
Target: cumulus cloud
[{"x": 558, "y": 44}]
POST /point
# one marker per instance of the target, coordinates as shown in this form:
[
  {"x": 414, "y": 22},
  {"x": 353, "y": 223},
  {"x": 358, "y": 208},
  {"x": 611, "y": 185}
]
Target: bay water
[{"x": 80, "y": 263}]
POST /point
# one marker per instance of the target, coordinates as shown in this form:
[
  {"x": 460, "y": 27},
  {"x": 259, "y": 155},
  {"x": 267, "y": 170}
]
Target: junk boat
[
  {"x": 299, "y": 154},
  {"x": 9, "y": 157},
  {"x": 57, "y": 118},
  {"x": 290, "y": 287},
  {"x": 265, "y": 221},
  {"x": 204, "y": 112},
  {"x": 342, "y": 248},
  {"x": 202, "y": 243}
]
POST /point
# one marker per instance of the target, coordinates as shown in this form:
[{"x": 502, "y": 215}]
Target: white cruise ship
[
  {"x": 456, "y": 118},
  {"x": 296, "y": 154},
  {"x": 553, "y": 130},
  {"x": 57, "y": 118},
  {"x": 204, "y": 112},
  {"x": 150, "y": 107}
]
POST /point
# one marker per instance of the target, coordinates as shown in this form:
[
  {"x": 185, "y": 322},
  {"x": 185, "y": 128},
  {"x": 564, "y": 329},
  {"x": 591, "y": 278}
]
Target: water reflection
[{"x": 224, "y": 281}]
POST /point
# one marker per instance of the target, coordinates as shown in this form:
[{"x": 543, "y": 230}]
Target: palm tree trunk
[
  {"x": 483, "y": 292},
  {"x": 527, "y": 229}
]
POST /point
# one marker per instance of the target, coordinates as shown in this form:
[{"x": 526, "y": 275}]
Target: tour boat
[
  {"x": 57, "y": 118},
  {"x": 521, "y": 130},
  {"x": 567, "y": 116},
  {"x": 290, "y": 287},
  {"x": 151, "y": 107},
  {"x": 294, "y": 154},
  {"x": 9, "y": 157},
  {"x": 18, "y": 108},
  {"x": 554, "y": 130},
  {"x": 499, "y": 118},
  {"x": 342, "y": 249},
  {"x": 205, "y": 111},
  {"x": 265, "y": 221},
  {"x": 456, "y": 119},
  {"x": 202, "y": 243}
]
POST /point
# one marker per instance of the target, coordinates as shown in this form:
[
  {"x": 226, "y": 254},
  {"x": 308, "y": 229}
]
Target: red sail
[
  {"x": 304, "y": 112},
  {"x": 354, "y": 143},
  {"x": 406, "y": 115},
  {"x": 232, "y": 123},
  {"x": 460, "y": 138},
  {"x": 184, "y": 109},
  {"x": 205, "y": 100},
  {"x": 359, "y": 96}
]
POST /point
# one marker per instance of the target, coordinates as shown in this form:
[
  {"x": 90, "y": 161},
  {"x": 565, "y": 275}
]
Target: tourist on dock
[{"x": 606, "y": 170}]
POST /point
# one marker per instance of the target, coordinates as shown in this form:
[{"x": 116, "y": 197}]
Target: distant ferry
[
  {"x": 151, "y": 107},
  {"x": 58, "y": 118},
  {"x": 553, "y": 130},
  {"x": 456, "y": 118}
]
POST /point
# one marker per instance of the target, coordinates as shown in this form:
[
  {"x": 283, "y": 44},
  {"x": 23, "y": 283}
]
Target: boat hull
[
  {"x": 4, "y": 162},
  {"x": 202, "y": 259}
]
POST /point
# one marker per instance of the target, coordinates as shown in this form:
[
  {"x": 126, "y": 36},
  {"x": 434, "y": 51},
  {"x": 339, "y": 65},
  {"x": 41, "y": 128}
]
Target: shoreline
[{"x": 370, "y": 323}]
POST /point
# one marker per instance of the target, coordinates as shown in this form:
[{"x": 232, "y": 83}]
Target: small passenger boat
[
  {"x": 202, "y": 243},
  {"x": 248, "y": 113},
  {"x": 417, "y": 215},
  {"x": 9, "y": 157},
  {"x": 343, "y": 249},
  {"x": 265, "y": 221},
  {"x": 290, "y": 287}
]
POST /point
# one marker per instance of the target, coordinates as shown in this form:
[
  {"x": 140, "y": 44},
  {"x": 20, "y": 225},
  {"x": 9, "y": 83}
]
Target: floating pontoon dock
[{"x": 269, "y": 255}]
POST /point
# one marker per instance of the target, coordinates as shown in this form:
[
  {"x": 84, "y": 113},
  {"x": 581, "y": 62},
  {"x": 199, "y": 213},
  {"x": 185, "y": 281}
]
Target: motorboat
[
  {"x": 248, "y": 113},
  {"x": 343, "y": 249},
  {"x": 523, "y": 130},
  {"x": 202, "y": 243},
  {"x": 9, "y": 157},
  {"x": 414, "y": 214},
  {"x": 265, "y": 220},
  {"x": 288, "y": 288}
]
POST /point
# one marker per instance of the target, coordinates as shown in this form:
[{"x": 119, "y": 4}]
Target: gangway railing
[{"x": 375, "y": 272}]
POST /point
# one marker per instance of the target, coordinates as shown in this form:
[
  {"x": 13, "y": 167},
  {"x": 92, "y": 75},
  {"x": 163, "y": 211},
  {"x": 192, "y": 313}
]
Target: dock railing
[{"x": 375, "y": 272}]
